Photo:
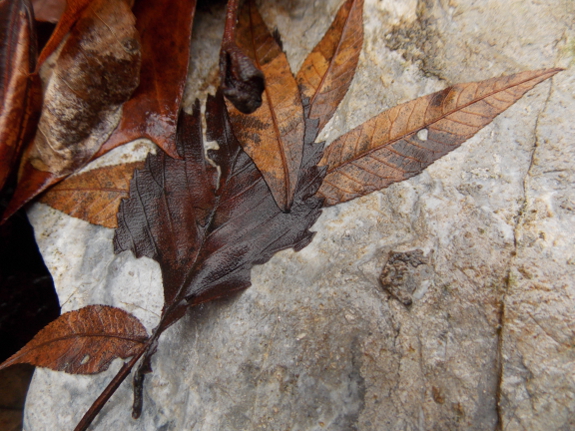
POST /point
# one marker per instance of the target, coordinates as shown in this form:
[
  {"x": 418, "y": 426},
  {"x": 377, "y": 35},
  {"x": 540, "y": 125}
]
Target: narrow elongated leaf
[
  {"x": 95, "y": 73},
  {"x": 328, "y": 70},
  {"x": 93, "y": 196},
  {"x": 83, "y": 341},
  {"x": 152, "y": 112},
  {"x": 402, "y": 141},
  {"x": 19, "y": 93},
  {"x": 273, "y": 134}
]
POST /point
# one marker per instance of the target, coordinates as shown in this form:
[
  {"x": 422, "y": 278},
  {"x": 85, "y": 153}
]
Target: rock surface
[{"x": 316, "y": 343}]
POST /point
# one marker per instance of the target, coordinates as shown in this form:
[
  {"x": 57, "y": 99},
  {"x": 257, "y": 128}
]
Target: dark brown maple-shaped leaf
[
  {"x": 20, "y": 96},
  {"x": 402, "y": 141},
  {"x": 165, "y": 28},
  {"x": 83, "y": 341},
  {"x": 93, "y": 196},
  {"x": 95, "y": 73}
]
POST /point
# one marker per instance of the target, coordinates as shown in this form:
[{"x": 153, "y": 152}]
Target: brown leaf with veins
[
  {"x": 93, "y": 196},
  {"x": 152, "y": 112},
  {"x": 328, "y": 70},
  {"x": 402, "y": 141},
  {"x": 20, "y": 95},
  {"x": 273, "y": 134},
  {"x": 84, "y": 341},
  {"x": 96, "y": 71}
]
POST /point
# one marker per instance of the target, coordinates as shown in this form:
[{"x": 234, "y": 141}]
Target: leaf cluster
[{"x": 114, "y": 72}]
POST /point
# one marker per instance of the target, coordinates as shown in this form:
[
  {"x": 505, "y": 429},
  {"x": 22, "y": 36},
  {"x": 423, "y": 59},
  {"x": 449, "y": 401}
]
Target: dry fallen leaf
[
  {"x": 93, "y": 196},
  {"x": 83, "y": 341},
  {"x": 402, "y": 141},
  {"x": 96, "y": 71},
  {"x": 152, "y": 112},
  {"x": 19, "y": 92},
  {"x": 273, "y": 134},
  {"x": 328, "y": 70}
]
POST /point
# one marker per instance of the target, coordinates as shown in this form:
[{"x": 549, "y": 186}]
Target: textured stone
[{"x": 316, "y": 343}]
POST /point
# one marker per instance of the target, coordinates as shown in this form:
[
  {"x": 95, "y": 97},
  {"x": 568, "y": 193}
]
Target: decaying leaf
[
  {"x": 83, "y": 341},
  {"x": 95, "y": 195},
  {"x": 19, "y": 92},
  {"x": 152, "y": 112},
  {"x": 72, "y": 11},
  {"x": 241, "y": 81},
  {"x": 96, "y": 71},
  {"x": 402, "y": 141},
  {"x": 272, "y": 135},
  {"x": 206, "y": 240},
  {"x": 328, "y": 70}
]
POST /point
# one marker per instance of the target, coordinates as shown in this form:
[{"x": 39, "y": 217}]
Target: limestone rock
[{"x": 316, "y": 343}]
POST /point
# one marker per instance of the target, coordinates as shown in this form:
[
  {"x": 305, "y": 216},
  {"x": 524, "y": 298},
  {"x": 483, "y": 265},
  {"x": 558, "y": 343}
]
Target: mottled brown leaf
[
  {"x": 19, "y": 93},
  {"x": 402, "y": 141},
  {"x": 326, "y": 73},
  {"x": 272, "y": 135},
  {"x": 96, "y": 71},
  {"x": 93, "y": 196},
  {"x": 152, "y": 112},
  {"x": 72, "y": 12},
  {"x": 83, "y": 341},
  {"x": 241, "y": 81}
]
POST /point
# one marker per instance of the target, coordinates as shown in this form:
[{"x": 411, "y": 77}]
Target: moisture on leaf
[
  {"x": 152, "y": 112},
  {"x": 19, "y": 91}
]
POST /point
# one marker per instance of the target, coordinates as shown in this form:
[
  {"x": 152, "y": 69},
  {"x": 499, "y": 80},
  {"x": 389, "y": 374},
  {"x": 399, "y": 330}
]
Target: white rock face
[{"x": 316, "y": 343}]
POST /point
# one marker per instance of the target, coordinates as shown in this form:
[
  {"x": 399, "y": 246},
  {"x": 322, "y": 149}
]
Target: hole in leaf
[{"x": 422, "y": 134}]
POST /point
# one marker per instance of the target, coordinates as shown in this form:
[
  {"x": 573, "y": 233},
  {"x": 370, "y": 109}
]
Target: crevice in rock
[{"x": 519, "y": 218}]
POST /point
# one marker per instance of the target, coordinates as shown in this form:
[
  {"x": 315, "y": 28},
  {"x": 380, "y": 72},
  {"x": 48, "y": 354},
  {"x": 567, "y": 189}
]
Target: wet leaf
[
  {"x": 83, "y": 341},
  {"x": 272, "y": 135},
  {"x": 206, "y": 240},
  {"x": 19, "y": 92},
  {"x": 402, "y": 141},
  {"x": 96, "y": 72},
  {"x": 152, "y": 112},
  {"x": 328, "y": 70},
  {"x": 93, "y": 196}
]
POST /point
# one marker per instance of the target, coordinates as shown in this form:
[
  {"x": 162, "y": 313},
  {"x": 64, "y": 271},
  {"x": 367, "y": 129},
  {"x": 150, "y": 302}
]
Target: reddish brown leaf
[
  {"x": 19, "y": 93},
  {"x": 49, "y": 10},
  {"x": 272, "y": 135},
  {"x": 206, "y": 240},
  {"x": 152, "y": 112},
  {"x": 326, "y": 73},
  {"x": 95, "y": 195},
  {"x": 83, "y": 341},
  {"x": 96, "y": 72},
  {"x": 72, "y": 12},
  {"x": 402, "y": 141}
]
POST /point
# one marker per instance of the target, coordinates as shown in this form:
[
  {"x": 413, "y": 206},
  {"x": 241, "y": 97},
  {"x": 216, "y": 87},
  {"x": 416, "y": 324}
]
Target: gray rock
[{"x": 316, "y": 343}]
